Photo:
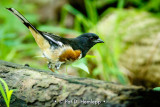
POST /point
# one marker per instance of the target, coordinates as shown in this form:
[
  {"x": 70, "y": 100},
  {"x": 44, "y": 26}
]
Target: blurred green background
[{"x": 69, "y": 18}]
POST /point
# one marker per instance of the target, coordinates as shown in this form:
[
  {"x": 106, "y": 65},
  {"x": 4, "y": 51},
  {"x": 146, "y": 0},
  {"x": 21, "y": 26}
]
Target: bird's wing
[
  {"x": 53, "y": 39},
  {"x": 44, "y": 40}
]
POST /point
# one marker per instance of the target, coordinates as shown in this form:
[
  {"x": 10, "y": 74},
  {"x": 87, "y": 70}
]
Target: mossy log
[{"x": 38, "y": 88}]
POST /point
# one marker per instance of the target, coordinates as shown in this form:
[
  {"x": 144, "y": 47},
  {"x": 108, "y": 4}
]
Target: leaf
[
  {"x": 5, "y": 84},
  {"x": 81, "y": 64},
  {"x": 156, "y": 89},
  {"x": 9, "y": 96},
  {"x": 3, "y": 93},
  {"x": 90, "y": 56}
]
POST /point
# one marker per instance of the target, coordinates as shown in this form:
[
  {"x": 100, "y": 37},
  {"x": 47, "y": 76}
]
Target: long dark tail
[
  {"x": 22, "y": 18},
  {"x": 40, "y": 39}
]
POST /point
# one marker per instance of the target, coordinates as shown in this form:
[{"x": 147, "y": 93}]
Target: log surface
[{"x": 38, "y": 88}]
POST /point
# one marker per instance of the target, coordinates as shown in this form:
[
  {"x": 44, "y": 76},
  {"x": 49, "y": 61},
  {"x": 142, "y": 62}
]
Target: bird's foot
[
  {"x": 51, "y": 69},
  {"x": 50, "y": 66}
]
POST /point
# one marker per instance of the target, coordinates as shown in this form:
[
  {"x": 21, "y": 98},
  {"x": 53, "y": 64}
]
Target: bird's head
[{"x": 88, "y": 40}]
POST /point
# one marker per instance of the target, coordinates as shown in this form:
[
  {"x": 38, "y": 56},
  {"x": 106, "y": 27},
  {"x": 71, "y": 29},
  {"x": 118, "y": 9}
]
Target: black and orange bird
[{"x": 58, "y": 50}]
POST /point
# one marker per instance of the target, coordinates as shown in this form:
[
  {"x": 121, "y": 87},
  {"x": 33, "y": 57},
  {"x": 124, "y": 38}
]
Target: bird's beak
[{"x": 98, "y": 41}]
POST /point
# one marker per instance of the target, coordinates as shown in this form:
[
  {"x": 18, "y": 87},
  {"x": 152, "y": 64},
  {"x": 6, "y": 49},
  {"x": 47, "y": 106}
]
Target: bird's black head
[
  {"x": 86, "y": 41},
  {"x": 90, "y": 38}
]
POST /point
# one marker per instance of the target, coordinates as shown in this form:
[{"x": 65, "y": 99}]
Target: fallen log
[{"x": 43, "y": 89}]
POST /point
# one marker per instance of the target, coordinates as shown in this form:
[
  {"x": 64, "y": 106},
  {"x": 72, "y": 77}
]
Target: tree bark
[{"x": 44, "y": 89}]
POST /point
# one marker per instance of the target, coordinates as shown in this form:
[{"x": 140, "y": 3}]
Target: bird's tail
[
  {"x": 22, "y": 18},
  {"x": 42, "y": 43}
]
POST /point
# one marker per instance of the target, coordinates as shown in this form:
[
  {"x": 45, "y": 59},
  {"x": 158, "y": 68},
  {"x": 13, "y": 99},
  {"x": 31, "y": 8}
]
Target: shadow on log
[{"x": 44, "y": 89}]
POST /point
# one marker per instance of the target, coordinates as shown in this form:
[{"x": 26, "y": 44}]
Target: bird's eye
[{"x": 91, "y": 38}]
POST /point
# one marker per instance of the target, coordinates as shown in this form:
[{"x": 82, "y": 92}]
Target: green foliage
[
  {"x": 18, "y": 45},
  {"x": 107, "y": 67},
  {"x": 81, "y": 64},
  {"x": 59, "y": 30},
  {"x": 6, "y": 93},
  {"x": 16, "y": 42},
  {"x": 80, "y": 19},
  {"x": 149, "y": 5},
  {"x": 156, "y": 89}
]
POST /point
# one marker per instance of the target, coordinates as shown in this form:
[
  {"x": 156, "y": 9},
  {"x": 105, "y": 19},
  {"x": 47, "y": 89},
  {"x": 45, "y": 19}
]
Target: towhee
[{"x": 58, "y": 50}]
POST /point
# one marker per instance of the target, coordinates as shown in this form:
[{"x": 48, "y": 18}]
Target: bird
[{"x": 59, "y": 50}]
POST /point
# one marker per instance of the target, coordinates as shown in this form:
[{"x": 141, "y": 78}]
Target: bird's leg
[
  {"x": 51, "y": 69},
  {"x": 58, "y": 65},
  {"x": 50, "y": 66}
]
